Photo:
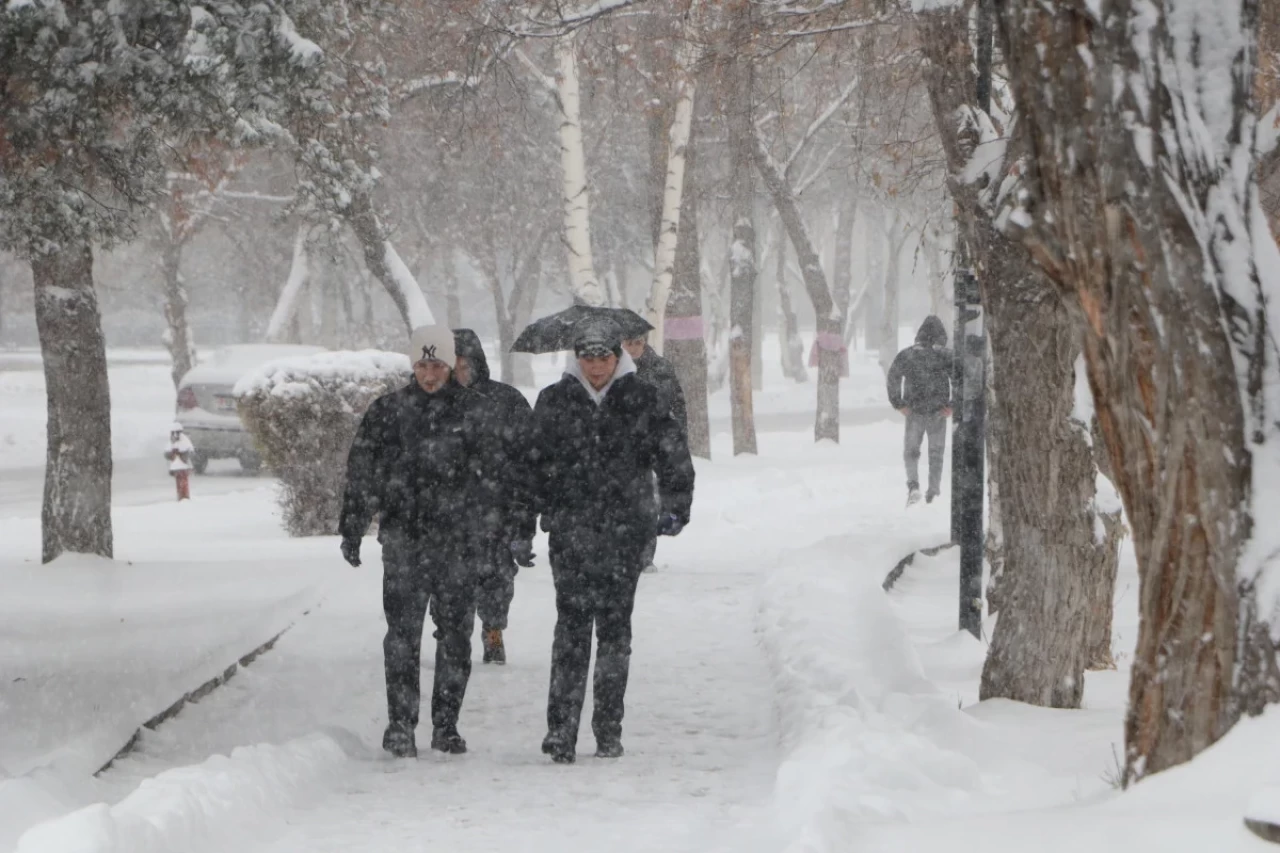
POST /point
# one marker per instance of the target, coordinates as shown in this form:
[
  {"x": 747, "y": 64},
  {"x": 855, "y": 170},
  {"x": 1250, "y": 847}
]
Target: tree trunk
[
  {"x": 385, "y": 265},
  {"x": 76, "y": 515},
  {"x": 686, "y": 345},
  {"x": 670, "y": 233},
  {"x": 573, "y": 162},
  {"x": 182, "y": 348},
  {"x": 791, "y": 351},
  {"x": 830, "y": 336},
  {"x": 842, "y": 260},
  {"x": 1145, "y": 207},
  {"x": 1048, "y": 574},
  {"x": 281, "y": 324},
  {"x": 887, "y": 332},
  {"x": 742, "y": 260},
  {"x": 452, "y": 302}
]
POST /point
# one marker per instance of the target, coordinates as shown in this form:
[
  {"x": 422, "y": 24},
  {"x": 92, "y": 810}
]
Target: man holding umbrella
[{"x": 600, "y": 436}]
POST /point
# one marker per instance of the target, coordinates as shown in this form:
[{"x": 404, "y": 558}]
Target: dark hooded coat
[
  {"x": 660, "y": 373},
  {"x": 431, "y": 467},
  {"x": 594, "y": 467},
  {"x": 920, "y": 377}
]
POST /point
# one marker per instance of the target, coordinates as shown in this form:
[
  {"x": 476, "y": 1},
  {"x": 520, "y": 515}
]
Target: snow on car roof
[{"x": 226, "y": 365}]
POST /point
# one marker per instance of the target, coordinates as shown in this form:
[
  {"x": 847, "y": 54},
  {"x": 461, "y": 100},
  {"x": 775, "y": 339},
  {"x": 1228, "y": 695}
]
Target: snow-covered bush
[{"x": 303, "y": 414}]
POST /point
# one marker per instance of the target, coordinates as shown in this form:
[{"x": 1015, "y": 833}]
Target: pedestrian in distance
[
  {"x": 919, "y": 385},
  {"x": 424, "y": 461},
  {"x": 600, "y": 436},
  {"x": 658, "y": 372},
  {"x": 179, "y": 453},
  {"x": 501, "y": 559}
]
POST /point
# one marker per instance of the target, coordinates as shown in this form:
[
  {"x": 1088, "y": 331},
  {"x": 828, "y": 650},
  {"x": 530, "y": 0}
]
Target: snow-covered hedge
[{"x": 303, "y": 414}]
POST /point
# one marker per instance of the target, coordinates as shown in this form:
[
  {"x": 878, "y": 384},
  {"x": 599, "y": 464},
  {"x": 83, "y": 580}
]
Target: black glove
[
  {"x": 670, "y": 525},
  {"x": 351, "y": 551},
  {"x": 522, "y": 551}
]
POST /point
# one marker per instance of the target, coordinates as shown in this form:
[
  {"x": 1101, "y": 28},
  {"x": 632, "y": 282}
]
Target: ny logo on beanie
[{"x": 429, "y": 353}]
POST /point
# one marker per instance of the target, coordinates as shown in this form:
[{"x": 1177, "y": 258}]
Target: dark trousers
[
  {"x": 411, "y": 577},
  {"x": 918, "y": 426},
  {"x": 494, "y": 592},
  {"x": 585, "y": 599}
]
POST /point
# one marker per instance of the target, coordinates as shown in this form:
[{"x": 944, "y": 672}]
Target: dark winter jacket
[
  {"x": 429, "y": 466},
  {"x": 594, "y": 466},
  {"x": 514, "y": 422},
  {"x": 920, "y": 376},
  {"x": 659, "y": 373}
]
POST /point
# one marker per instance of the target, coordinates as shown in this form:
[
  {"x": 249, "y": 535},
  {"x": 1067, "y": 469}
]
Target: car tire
[
  {"x": 250, "y": 463},
  {"x": 199, "y": 462}
]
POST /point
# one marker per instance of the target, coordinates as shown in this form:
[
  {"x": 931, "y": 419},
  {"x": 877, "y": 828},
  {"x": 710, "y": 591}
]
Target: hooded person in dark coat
[
  {"x": 514, "y": 420},
  {"x": 919, "y": 386},
  {"x": 659, "y": 373},
  {"x": 600, "y": 437},
  {"x": 425, "y": 461}
]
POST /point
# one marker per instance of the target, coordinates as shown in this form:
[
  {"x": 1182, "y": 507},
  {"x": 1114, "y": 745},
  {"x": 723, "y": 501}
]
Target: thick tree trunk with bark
[
  {"x": 842, "y": 257},
  {"x": 1049, "y": 573},
  {"x": 742, "y": 260},
  {"x": 1145, "y": 206},
  {"x": 791, "y": 351},
  {"x": 830, "y": 332},
  {"x": 76, "y": 516},
  {"x": 182, "y": 347}
]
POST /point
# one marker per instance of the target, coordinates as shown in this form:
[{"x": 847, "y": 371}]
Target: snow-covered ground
[{"x": 780, "y": 699}]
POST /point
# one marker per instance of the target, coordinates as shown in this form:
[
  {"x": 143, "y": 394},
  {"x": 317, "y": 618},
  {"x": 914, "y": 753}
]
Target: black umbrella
[{"x": 557, "y": 331}]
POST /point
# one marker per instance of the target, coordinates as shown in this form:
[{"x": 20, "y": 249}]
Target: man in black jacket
[
  {"x": 600, "y": 436},
  {"x": 498, "y": 569},
  {"x": 920, "y": 387},
  {"x": 659, "y": 373},
  {"x": 424, "y": 461}
]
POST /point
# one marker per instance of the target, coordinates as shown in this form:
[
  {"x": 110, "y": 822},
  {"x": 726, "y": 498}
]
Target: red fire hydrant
[{"x": 179, "y": 453}]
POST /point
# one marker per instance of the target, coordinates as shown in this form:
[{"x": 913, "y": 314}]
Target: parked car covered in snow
[{"x": 207, "y": 406}]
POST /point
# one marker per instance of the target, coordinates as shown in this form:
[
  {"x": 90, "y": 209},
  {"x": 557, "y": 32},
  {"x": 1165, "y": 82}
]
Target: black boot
[
  {"x": 398, "y": 740},
  {"x": 447, "y": 740},
  {"x": 609, "y": 747},
  {"x": 494, "y": 651},
  {"x": 560, "y": 748}
]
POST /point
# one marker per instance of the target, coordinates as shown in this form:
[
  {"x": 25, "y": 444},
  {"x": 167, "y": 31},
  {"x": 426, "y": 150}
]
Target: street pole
[{"x": 968, "y": 448}]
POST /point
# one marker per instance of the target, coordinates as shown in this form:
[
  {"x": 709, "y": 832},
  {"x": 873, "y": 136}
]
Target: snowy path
[{"x": 701, "y": 747}]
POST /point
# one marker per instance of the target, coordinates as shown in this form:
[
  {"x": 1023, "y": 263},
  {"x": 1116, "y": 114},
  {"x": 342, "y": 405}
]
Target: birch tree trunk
[
  {"x": 573, "y": 163},
  {"x": 76, "y": 514},
  {"x": 830, "y": 337},
  {"x": 1146, "y": 211},
  {"x": 281, "y": 322},
  {"x": 1048, "y": 570},
  {"x": 452, "y": 302},
  {"x": 664, "y": 257},
  {"x": 742, "y": 259},
  {"x": 178, "y": 338}
]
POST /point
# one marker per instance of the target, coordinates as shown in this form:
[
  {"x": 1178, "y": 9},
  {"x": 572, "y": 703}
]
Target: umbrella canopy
[{"x": 556, "y": 332}]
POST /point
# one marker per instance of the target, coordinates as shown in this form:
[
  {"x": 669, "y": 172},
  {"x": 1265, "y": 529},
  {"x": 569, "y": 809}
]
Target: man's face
[
  {"x": 634, "y": 346},
  {"x": 598, "y": 369},
  {"x": 431, "y": 375},
  {"x": 462, "y": 371}
]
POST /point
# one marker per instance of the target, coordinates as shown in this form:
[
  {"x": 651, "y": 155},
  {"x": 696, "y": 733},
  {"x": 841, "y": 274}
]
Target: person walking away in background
[
  {"x": 600, "y": 436},
  {"x": 179, "y": 453},
  {"x": 919, "y": 385},
  {"x": 659, "y": 373},
  {"x": 425, "y": 461},
  {"x": 499, "y": 562}
]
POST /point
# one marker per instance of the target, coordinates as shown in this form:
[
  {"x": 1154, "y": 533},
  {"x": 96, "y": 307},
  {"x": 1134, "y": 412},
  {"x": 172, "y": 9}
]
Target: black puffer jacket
[
  {"x": 594, "y": 467},
  {"x": 429, "y": 465},
  {"x": 659, "y": 373},
  {"x": 920, "y": 377},
  {"x": 514, "y": 423}
]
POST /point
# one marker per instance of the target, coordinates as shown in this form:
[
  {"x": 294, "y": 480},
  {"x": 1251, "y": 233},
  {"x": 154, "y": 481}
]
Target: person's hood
[
  {"x": 932, "y": 333},
  {"x": 626, "y": 365},
  {"x": 467, "y": 343}
]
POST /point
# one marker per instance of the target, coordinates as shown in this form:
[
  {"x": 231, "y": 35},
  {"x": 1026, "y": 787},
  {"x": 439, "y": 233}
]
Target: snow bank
[{"x": 194, "y": 806}]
